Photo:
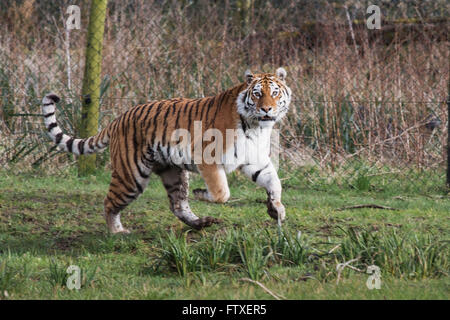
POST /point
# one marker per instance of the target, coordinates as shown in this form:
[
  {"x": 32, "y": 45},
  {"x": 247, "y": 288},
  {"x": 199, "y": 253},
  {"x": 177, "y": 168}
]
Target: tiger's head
[{"x": 266, "y": 99}]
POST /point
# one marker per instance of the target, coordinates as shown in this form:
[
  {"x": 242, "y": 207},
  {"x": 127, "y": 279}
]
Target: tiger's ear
[
  {"x": 248, "y": 76},
  {"x": 281, "y": 73}
]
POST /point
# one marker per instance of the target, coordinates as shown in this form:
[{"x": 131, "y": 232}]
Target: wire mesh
[{"x": 369, "y": 108}]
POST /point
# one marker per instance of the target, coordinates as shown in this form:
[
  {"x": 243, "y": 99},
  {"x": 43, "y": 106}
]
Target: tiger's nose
[{"x": 266, "y": 109}]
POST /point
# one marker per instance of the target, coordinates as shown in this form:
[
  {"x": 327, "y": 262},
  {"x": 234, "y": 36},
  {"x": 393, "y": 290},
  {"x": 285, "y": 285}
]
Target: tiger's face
[{"x": 266, "y": 99}]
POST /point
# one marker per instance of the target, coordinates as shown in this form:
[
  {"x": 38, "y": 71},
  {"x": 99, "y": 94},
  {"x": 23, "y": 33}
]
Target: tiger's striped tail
[{"x": 63, "y": 141}]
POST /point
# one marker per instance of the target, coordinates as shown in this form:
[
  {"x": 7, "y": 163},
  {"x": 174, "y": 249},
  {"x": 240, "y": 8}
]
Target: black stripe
[
  {"x": 185, "y": 106},
  {"x": 147, "y": 114},
  {"x": 190, "y": 117},
  {"x": 178, "y": 118},
  {"x": 244, "y": 100},
  {"x": 142, "y": 174},
  {"x": 165, "y": 122},
  {"x": 138, "y": 186},
  {"x": 69, "y": 144},
  {"x": 126, "y": 161},
  {"x": 168, "y": 153},
  {"x": 131, "y": 196},
  {"x": 137, "y": 116},
  {"x": 53, "y": 97},
  {"x": 174, "y": 109},
  {"x": 256, "y": 174},
  {"x": 115, "y": 124},
  {"x": 135, "y": 153},
  {"x": 149, "y": 160},
  {"x": 132, "y": 111},
  {"x": 151, "y": 153},
  {"x": 90, "y": 142},
  {"x": 123, "y": 155},
  {"x": 116, "y": 176},
  {"x": 203, "y": 109},
  {"x": 210, "y": 105},
  {"x": 47, "y": 104},
  {"x": 119, "y": 196},
  {"x": 164, "y": 136},
  {"x": 58, "y": 138},
  {"x": 126, "y": 171},
  {"x": 152, "y": 141},
  {"x": 115, "y": 204},
  {"x": 51, "y": 126},
  {"x": 81, "y": 146},
  {"x": 145, "y": 161},
  {"x": 48, "y": 114},
  {"x": 196, "y": 107},
  {"x": 218, "y": 107},
  {"x": 243, "y": 124},
  {"x": 158, "y": 149},
  {"x": 100, "y": 138}
]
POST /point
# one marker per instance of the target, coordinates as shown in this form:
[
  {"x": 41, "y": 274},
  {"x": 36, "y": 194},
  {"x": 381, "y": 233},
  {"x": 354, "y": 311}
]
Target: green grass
[{"x": 48, "y": 223}]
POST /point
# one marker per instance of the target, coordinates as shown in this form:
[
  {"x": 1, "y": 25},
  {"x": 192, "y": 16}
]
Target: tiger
[{"x": 141, "y": 142}]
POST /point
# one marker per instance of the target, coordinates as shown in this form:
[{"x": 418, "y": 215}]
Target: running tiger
[{"x": 146, "y": 139}]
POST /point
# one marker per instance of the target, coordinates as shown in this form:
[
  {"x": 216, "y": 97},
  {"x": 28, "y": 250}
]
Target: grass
[{"x": 48, "y": 223}]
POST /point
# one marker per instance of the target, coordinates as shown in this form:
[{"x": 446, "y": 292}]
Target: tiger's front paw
[{"x": 276, "y": 209}]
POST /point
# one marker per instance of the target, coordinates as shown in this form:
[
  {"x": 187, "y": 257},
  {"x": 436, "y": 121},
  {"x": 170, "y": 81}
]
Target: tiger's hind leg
[
  {"x": 176, "y": 182},
  {"x": 121, "y": 193}
]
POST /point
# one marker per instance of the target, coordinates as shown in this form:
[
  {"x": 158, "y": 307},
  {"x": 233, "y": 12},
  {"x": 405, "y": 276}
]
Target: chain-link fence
[{"x": 369, "y": 105}]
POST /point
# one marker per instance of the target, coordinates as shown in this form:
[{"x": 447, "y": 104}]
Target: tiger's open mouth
[{"x": 266, "y": 118}]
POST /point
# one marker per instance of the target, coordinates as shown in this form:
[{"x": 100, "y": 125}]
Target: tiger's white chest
[{"x": 250, "y": 147}]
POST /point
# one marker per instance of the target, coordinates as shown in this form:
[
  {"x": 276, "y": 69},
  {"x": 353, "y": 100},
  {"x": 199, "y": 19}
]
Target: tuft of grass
[
  {"x": 290, "y": 248},
  {"x": 254, "y": 256},
  {"x": 88, "y": 276},
  {"x": 57, "y": 274},
  {"x": 221, "y": 253},
  {"x": 178, "y": 255},
  {"x": 401, "y": 254},
  {"x": 7, "y": 279}
]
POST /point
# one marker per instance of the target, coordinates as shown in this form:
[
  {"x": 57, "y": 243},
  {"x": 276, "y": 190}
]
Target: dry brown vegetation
[{"x": 380, "y": 99}]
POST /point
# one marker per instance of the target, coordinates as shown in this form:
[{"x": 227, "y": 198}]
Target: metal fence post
[
  {"x": 448, "y": 138},
  {"x": 91, "y": 81}
]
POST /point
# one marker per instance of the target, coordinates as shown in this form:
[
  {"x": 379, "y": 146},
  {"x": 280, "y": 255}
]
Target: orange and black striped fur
[{"x": 142, "y": 141}]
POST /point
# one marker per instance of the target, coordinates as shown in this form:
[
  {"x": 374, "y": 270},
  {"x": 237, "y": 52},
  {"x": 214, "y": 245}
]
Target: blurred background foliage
[{"x": 368, "y": 105}]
